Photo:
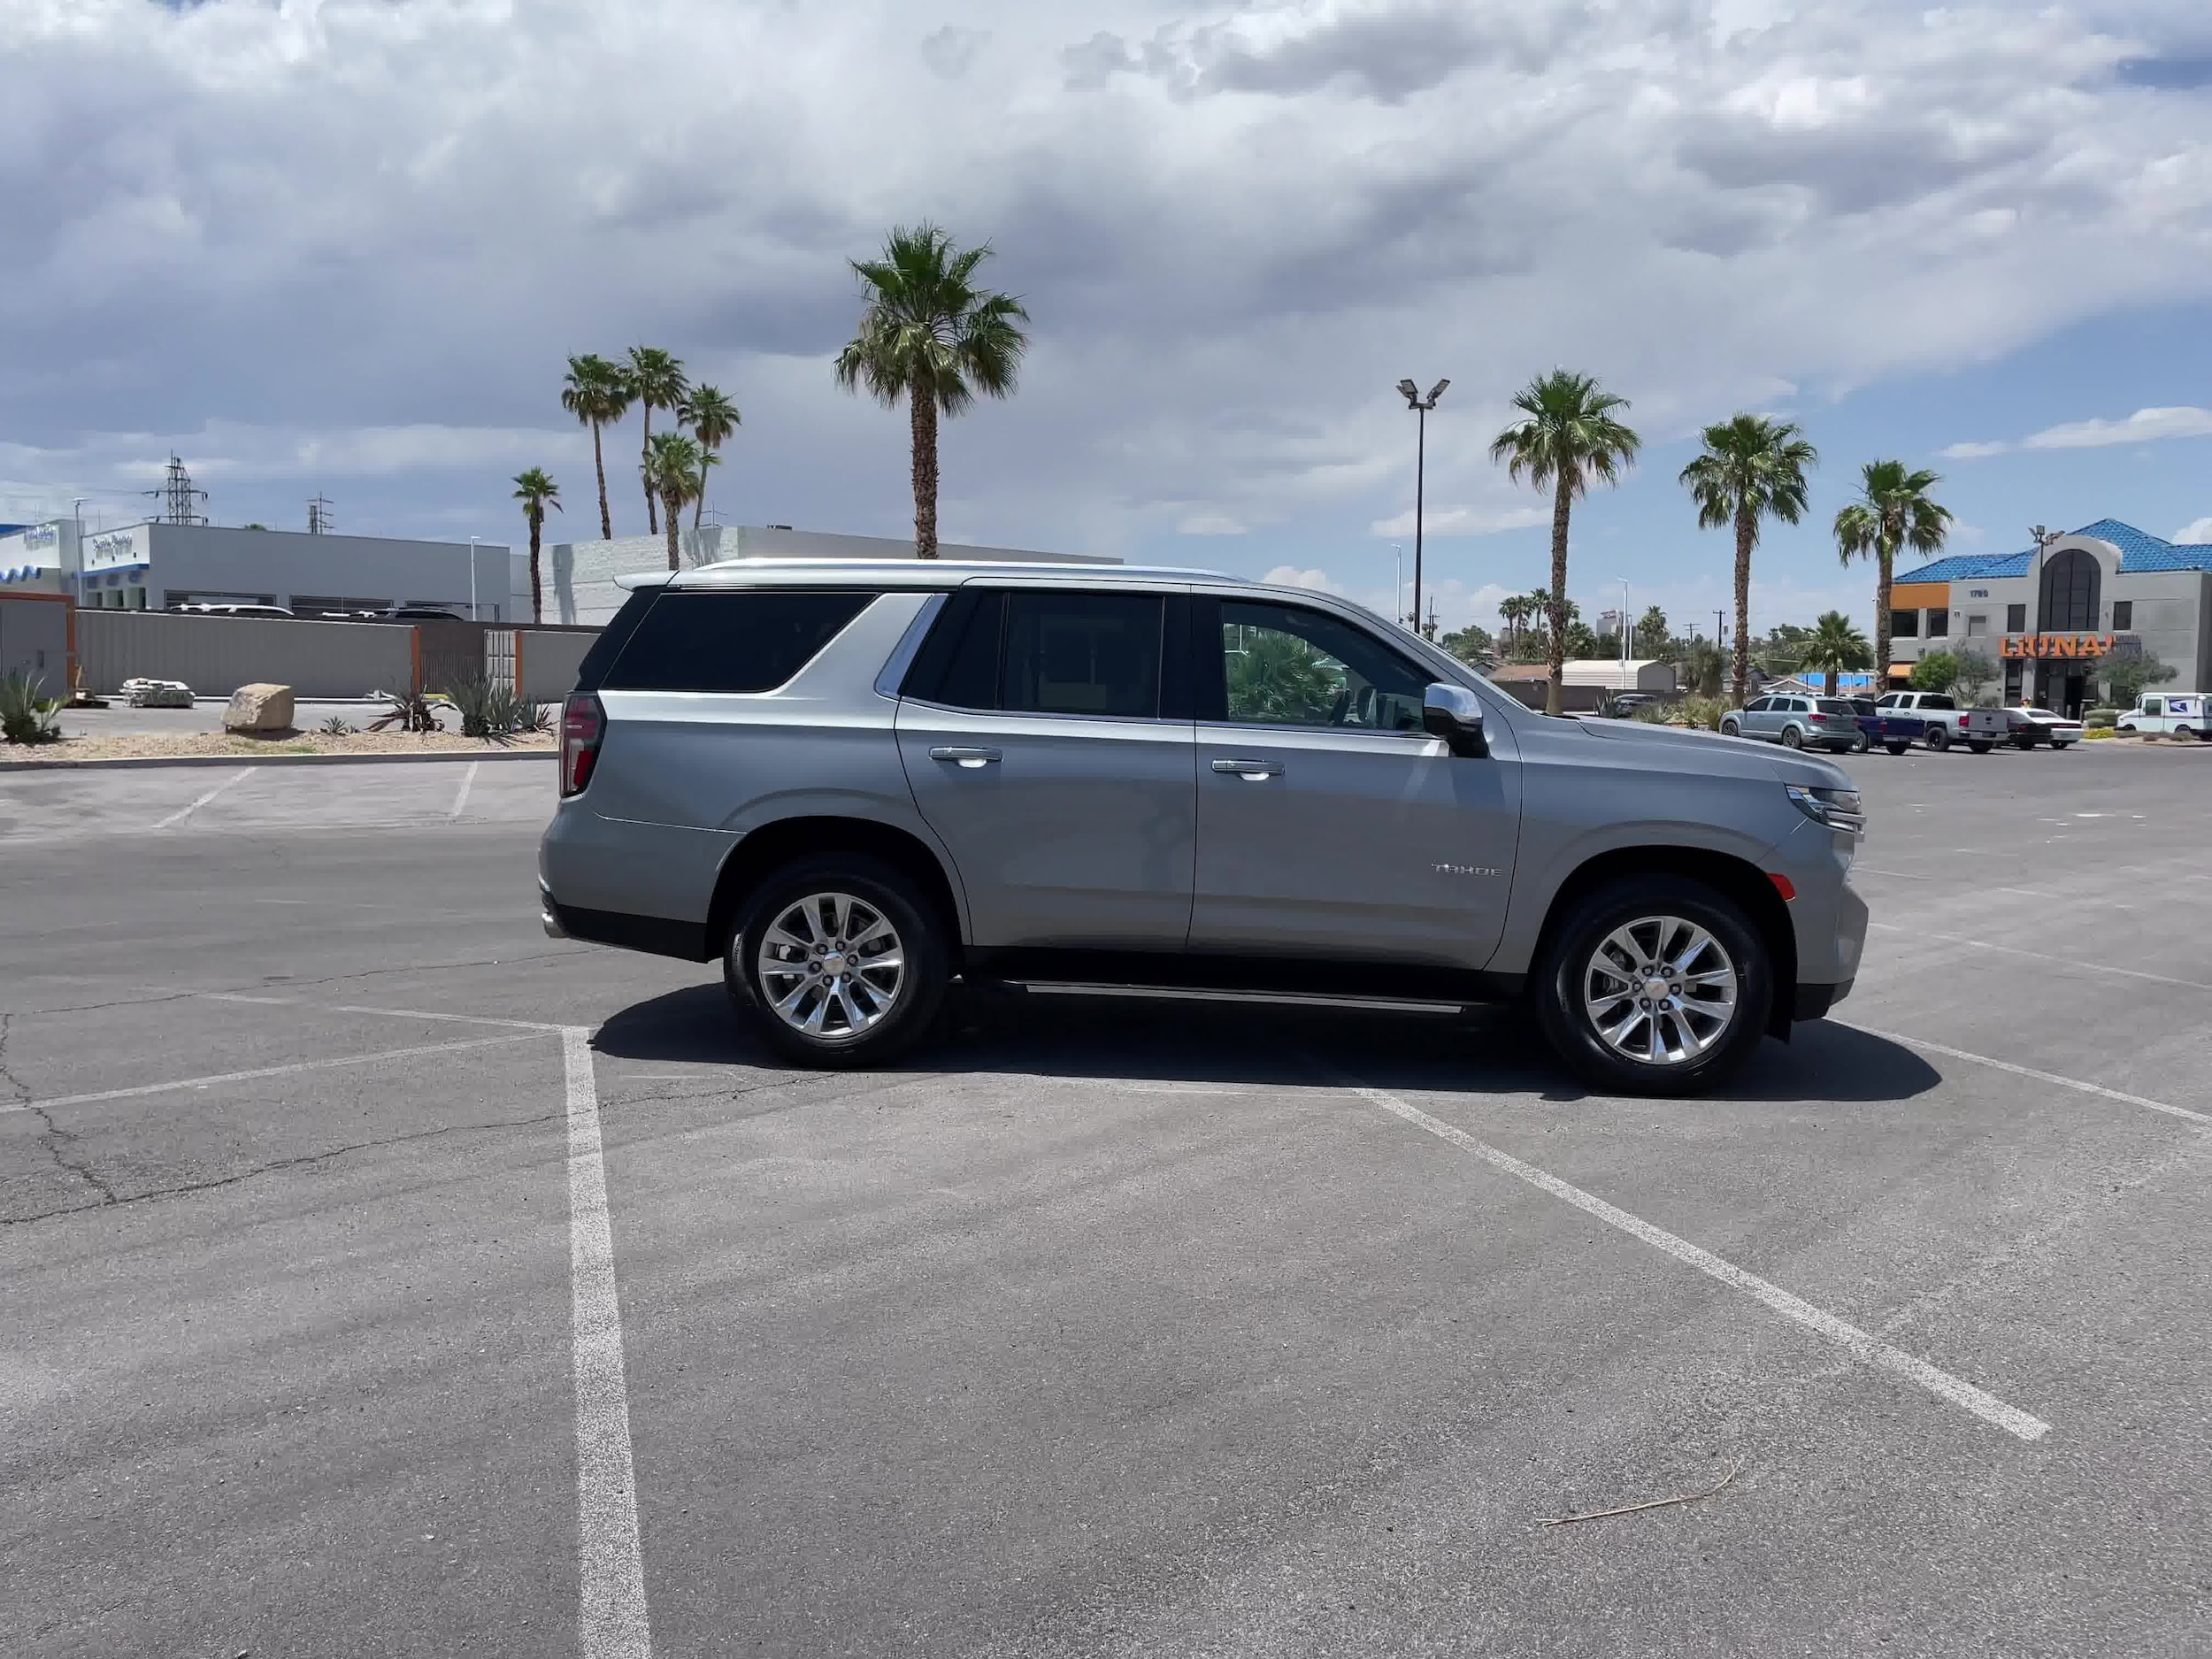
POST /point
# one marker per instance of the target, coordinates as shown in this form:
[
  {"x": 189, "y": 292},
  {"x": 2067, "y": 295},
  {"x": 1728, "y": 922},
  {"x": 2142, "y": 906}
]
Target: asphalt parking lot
[{"x": 1097, "y": 1329}]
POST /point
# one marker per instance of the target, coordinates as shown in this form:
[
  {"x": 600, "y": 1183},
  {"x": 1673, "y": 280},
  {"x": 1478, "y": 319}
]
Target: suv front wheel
[
  {"x": 839, "y": 960},
  {"x": 1655, "y": 985}
]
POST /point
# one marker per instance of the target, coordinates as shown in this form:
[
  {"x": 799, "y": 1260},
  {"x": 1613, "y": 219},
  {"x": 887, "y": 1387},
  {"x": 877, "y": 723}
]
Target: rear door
[
  {"x": 1329, "y": 824},
  {"x": 1049, "y": 743}
]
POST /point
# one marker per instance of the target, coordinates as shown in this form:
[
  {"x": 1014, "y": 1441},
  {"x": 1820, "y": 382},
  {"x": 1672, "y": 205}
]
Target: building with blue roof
[{"x": 2052, "y": 616}]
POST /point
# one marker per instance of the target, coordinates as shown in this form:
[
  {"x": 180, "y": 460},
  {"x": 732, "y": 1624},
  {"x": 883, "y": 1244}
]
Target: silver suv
[{"x": 855, "y": 783}]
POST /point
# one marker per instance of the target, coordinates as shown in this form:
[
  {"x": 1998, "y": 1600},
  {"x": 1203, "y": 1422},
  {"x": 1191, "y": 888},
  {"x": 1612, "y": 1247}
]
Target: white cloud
[
  {"x": 2197, "y": 530},
  {"x": 1972, "y": 451},
  {"x": 1210, "y": 524},
  {"x": 2142, "y": 426},
  {"x": 1291, "y": 576},
  {"x": 1462, "y": 522},
  {"x": 1234, "y": 226}
]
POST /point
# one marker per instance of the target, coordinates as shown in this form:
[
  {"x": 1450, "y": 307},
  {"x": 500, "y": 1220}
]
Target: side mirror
[{"x": 1455, "y": 714}]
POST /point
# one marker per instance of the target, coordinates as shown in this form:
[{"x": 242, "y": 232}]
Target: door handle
[
  {"x": 1251, "y": 771},
  {"x": 969, "y": 758}
]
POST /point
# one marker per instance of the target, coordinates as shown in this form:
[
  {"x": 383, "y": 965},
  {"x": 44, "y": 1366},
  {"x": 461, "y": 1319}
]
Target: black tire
[
  {"x": 1938, "y": 739},
  {"x": 1566, "y": 966},
  {"x": 1979, "y": 748},
  {"x": 918, "y": 932},
  {"x": 1729, "y": 728},
  {"x": 1897, "y": 749},
  {"x": 1791, "y": 738},
  {"x": 1860, "y": 744},
  {"x": 2183, "y": 735},
  {"x": 2023, "y": 739}
]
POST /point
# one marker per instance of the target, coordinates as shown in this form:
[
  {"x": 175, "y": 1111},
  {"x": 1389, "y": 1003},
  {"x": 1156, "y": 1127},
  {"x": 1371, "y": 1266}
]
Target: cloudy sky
[{"x": 345, "y": 246}]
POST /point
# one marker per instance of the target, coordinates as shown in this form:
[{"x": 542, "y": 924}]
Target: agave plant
[
  {"x": 410, "y": 712},
  {"x": 489, "y": 709},
  {"x": 26, "y": 714}
]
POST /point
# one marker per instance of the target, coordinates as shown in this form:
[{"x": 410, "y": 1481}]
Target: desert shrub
[{"x": 26, "y": 714}]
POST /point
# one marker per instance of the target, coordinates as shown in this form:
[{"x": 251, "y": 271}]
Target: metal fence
[{"x": 217, "y": 654}]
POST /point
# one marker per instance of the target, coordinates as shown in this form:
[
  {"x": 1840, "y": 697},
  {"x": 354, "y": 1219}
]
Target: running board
[{"x": 1289, "y": 999}]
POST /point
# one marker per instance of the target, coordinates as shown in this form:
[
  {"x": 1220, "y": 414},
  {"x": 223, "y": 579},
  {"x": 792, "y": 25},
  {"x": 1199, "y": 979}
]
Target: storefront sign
[{"x": 2055, "y": 645}]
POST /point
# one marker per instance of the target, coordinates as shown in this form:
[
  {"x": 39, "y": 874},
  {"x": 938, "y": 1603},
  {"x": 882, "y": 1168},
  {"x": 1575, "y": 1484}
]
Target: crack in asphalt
[
  {"x": 266, "y": 981},
  {"x": 53, "y": 1138},
  {"x": 110, "y": 1199}
]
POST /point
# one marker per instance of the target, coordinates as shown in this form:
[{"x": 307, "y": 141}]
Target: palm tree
[
  {"x": 656, "y": 379},
  {"x": 1704, "y": 664},
  {"x": 1513, "y": 611},
  {"x": 1568, "y": 436},
  {"x": 535, "y": 489},
  {"x": 1651, "y": 633},
  {"x": 1836, "y": 647},
  {"x": 1893, "y": 512},
  {"x": 1751, "y": 468},
  {"x": 712, "y": 417},
  {"x": 595, "y": 392},
  {"x": 928, "y": 329},
  {"x": 674, "y": 473}
]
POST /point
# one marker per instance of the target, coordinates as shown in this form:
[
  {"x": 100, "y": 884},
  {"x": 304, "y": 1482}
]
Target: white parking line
[
  {"x": 184, "y": 813},
  {"x": 2038, "y": 955},
  {"x": 462, "y": 1019},
  {"x": 266, "y": 1071},
  {"x": 612, "y": 1614},
  {"x": 1868, "y": 1349},
  {"x": 461, "y": 796},
  {"x": 2124, "y": 1098}
]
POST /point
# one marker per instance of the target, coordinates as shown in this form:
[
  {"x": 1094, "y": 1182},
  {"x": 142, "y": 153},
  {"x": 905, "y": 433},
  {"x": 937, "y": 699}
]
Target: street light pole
[
  {"x": 1624, "y": 625},
  {"x": 472, "y": 578},
  {"x": 1420, "y": 406}
]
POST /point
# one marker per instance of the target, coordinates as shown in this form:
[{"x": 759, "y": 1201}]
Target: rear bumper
[{"x": 655, "y": 935}]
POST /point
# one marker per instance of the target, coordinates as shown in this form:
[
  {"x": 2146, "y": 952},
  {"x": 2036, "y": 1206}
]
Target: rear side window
[
  {"x": 729, "y": 641},
  {"x": 1836, "y": 705},
  {"x": 1936, "y": 700},
  {"x": 1045, "y": 653}
]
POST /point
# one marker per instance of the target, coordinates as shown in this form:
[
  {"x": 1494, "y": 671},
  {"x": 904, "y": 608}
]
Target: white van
[{"x": 2170, "y": 713}]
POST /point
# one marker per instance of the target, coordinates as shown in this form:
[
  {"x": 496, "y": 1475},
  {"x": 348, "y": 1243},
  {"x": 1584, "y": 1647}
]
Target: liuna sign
[{"x": 2055, "y": 645}]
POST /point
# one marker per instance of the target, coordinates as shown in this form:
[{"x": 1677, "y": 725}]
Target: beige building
[{"x": 2051, "y": 619}]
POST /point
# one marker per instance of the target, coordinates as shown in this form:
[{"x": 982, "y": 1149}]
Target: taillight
[
  {"x": 583, "y": 724},
  {"x": 1820, "y": 719}
]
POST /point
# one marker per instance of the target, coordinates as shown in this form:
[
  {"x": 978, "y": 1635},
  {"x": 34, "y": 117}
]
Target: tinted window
[
  {"x": 957, "y": 665},
  {"x": 1074, "y": 653},
  {"x": 1904, "y": 625},
  {"x": 1860, "y": 706},
  {"x": 1836, "y": 705},
  {"x": 2015, "y": 618},
  {"x": 592, "y": 672},
  {"x": 1758, "y": 705},
  {"x": 1285, "y": 666},
  {"x": 1938, "y": 623},
  {"x": 730, "y": 641},
  {"x": 2124, "y": 613},
  {"x": 1938, "y": 700}
]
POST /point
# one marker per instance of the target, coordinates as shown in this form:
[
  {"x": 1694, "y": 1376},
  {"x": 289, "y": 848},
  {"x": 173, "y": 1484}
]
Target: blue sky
[{"x": 344, "y": 246}]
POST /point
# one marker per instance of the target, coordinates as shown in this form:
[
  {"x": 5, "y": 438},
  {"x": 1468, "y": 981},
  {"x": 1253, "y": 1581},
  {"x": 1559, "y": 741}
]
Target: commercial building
[
  {"x": 2052, "y": 618},
  {"x": 580, "y": 586},
  {"x": 153, "y": 565}
]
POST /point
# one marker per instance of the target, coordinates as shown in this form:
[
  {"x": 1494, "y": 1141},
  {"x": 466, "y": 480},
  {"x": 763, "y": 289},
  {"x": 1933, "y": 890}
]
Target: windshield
[{"x": 1860, "y": 705}]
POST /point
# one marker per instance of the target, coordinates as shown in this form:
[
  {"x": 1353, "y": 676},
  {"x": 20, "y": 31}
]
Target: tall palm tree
[
  {"x": 712, "y": 417},
  {"x": 674, "y": 473},
  {"x": 656, "y": 380},
  {"x": 1894, "y": 511},
  {"x": 1752, "y": 468},
  {"x": 535, "y": 489},
  {"x": 1567, "y": 436},
  {"x": 1651, "y": 635},
  {"x": 1836, "y": 647},
  {"x": 595, "y": 391},
  {"x": 931, "y": 333}
]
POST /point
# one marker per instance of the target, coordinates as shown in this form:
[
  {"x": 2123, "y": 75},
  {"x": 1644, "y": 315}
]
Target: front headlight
[{"x": 1837, "y": 808}]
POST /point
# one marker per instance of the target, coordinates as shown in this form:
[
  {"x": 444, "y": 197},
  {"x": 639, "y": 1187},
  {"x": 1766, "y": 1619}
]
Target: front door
[
  {"x": 1042, "y": 759},
  {"x": 1329, "y": 824}
]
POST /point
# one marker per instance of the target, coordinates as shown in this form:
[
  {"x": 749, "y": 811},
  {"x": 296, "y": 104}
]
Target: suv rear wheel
[
  {"x": 1655, "y": 985},
  {"x": 839, "y": 960}
]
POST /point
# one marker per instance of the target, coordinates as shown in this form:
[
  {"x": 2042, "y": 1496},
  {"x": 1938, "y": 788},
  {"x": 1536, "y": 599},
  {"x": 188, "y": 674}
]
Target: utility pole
[{"x": 1420, "y": 406}]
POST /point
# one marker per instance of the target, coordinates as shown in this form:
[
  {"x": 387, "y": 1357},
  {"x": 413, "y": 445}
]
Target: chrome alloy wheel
[
  {"x": 830, "y": 966},
  {"x": 1660, "y": 990}
]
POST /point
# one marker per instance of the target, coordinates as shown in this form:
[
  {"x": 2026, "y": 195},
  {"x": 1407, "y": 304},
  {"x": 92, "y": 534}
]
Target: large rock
[{"x": 258, "y": 709}]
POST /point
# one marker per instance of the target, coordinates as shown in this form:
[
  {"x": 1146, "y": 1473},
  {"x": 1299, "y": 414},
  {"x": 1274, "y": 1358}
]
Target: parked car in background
[
  {"x": 1895, "y": 730},
  {"x": 2186, "y": 714},
  {"x": 1796, "y": 722},
  {"x": 1944, "y": 721},
  {"x": 1624, "y": 705},
  {"x": 224, "y": 608},
  {"x": 2025, "y": 727},
  {"x": 851, "y": 783}
]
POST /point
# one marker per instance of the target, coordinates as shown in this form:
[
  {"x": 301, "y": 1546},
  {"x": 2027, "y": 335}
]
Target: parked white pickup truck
[
  {"x": 2182, "y": 714},
  {"x": 1947, "y": 723}
]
